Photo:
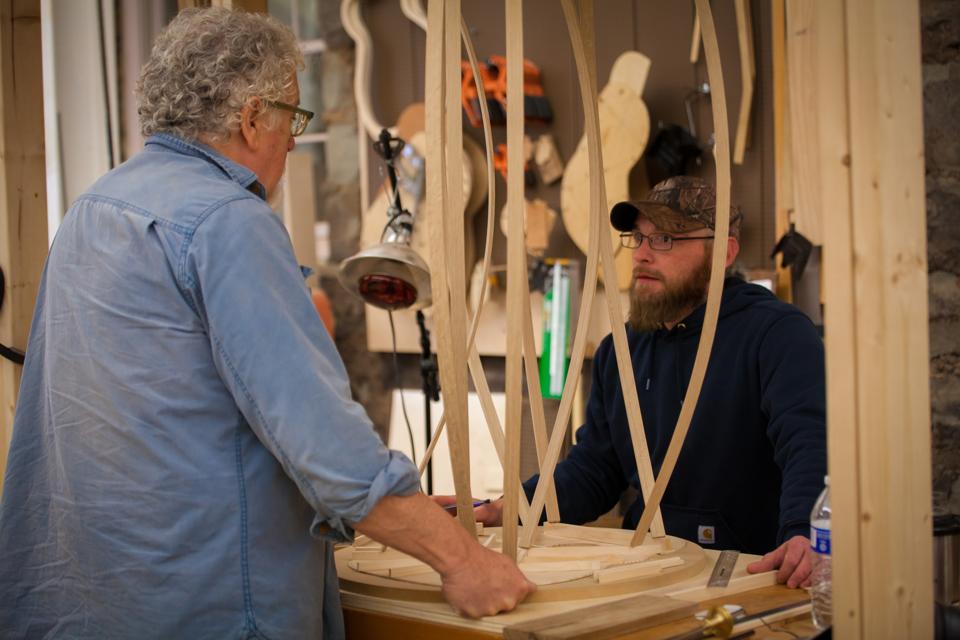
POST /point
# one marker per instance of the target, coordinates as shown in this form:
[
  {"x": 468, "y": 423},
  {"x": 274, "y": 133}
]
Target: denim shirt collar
[{"x": 237, "y": 172}]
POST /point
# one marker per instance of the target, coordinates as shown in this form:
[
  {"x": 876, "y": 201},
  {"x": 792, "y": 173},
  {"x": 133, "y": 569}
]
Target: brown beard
[{"x": 651, "y": 311}]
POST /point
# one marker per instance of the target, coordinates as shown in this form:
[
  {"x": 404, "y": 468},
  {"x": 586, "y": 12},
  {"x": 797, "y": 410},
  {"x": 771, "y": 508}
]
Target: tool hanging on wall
[
  {"x": 795, "y": 250},
  {"x": 538, "y": 218},
  {"x": 555, "y": 357},
  {"x": 536, "y": 107},
  {"x": 470, "y": 95},
  {"x": 672, "y": 152},
  {"x": 13, "y": 355},
  {"x": 547, "y": 159},
  {"x": 674, "y": 148},
  {"x": 500, "y": 164}
]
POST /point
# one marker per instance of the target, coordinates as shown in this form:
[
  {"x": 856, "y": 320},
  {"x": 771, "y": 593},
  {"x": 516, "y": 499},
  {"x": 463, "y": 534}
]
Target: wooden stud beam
[
  {"x": 878, "y": 393},
  {"x": 23, "y": 201}
]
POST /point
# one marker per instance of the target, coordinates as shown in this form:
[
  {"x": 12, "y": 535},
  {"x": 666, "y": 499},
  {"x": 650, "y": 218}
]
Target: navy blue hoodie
[{"x": 753, "y": 461}]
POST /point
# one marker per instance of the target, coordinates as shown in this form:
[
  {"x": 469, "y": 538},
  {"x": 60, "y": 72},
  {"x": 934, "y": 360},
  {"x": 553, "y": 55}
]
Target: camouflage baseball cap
[{"x": 678, "y": 204}]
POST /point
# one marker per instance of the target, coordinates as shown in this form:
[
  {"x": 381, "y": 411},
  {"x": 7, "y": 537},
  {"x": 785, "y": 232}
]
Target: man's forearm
[{"x": 415, "y": 525}]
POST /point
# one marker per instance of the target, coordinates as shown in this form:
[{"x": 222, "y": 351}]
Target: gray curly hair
[{"x": 204, "y": 67}]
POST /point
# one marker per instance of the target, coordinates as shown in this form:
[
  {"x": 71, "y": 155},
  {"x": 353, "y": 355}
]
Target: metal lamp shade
[{"x": 389, "y": 260}]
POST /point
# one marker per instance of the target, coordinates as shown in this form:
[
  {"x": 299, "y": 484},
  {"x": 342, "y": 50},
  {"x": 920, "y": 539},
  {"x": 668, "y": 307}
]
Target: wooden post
[
  {"x": 871, "y": 150},
  {"x": 23, "y": 201}
]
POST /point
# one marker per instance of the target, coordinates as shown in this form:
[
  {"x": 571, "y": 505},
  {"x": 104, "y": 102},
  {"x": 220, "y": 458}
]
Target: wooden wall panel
[
  {"x": 890, "y": 280},
  {"x": 869, "y": 112},
  {"x": 23, "y": 201}
]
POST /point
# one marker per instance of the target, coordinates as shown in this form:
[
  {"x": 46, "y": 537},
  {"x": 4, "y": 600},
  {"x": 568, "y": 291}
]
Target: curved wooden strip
[
  {"x": 722, "y": 228},
  {"x": 414, "y": 11},
  {"x": 491, "y": 184},
  {"x": 747, "y": 77},
  {"x": 352, "y": 21},
  {"x": 516, "y": 275},
  {"x": 452, "y": 372},
  {"x": 615, "y": 312},
  {"x": 535, "y": 398},
  {"x": 446, "y": 242},
  {"x": 694, "y": 562},
  {"x": 578, "y": 349},
  {"x": 476, "y": 367},
  {"x": 695, "y": 41}
]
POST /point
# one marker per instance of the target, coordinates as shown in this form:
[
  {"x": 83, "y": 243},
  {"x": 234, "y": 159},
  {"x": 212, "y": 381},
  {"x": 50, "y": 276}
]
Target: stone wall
[{"x": 941, "y": 113}]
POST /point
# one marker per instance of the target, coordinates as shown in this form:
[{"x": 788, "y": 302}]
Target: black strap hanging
[{"x": 11, "y": 354}]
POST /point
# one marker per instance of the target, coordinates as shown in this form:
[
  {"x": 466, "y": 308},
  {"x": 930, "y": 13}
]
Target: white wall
[{"x": 75, "y": 96}]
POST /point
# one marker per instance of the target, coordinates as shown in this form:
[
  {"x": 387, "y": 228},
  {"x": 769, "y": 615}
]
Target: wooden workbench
[
  {"x": 363, "y": 624},
  {"x": 369, "y": 617}
]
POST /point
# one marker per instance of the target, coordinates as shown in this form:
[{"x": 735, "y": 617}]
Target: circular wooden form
[{"x": 582, "y": 588}]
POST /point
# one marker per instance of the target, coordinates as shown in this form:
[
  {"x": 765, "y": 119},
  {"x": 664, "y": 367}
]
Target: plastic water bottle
[{"x": 821, "y": 592}]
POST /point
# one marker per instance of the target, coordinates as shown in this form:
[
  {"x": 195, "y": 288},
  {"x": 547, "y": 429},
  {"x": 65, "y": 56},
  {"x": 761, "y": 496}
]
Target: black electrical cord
[{"x": 403, "y": 404}]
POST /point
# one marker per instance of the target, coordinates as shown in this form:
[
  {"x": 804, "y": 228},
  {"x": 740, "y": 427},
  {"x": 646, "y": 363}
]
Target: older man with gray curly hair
[{"x": 185, "y": 449}]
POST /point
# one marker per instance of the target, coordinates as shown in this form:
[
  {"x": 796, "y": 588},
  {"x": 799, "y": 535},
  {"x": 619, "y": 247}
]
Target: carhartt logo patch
[{"x": 706, "y": 535}]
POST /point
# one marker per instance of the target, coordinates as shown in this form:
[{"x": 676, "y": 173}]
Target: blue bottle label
[{"x": 820, "y": 540}]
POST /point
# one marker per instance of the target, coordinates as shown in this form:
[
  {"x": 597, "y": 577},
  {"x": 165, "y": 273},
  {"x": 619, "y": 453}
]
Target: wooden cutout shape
[
  {"x": 622, "y": 111},
  {"x": 547, "y": 159}
]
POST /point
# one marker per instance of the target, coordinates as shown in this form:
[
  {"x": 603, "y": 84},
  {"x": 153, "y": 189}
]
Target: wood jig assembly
[{"x": 568, "y": 562}]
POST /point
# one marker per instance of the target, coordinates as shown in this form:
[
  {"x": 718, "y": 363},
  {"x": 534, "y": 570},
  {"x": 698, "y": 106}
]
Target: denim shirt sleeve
[{"x": 282, "y": 367}]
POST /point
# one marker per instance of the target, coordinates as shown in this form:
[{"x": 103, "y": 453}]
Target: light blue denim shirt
[{"x": 184, "y": 422}]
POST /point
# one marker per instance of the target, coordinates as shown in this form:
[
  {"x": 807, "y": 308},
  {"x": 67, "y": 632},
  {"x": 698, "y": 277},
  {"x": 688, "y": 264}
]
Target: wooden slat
[
  {"x": 711, "y": 50},
  {"x": 635, "y": 570},
  {"x": 352, "y": 20},
  {"x": 455, "y": 377},
  {"x": 747, "y": 77},
  {"x": 695, "y": 40},
  {"x": 783, "y": 176},
  {"x": 615, "y": 313},
  {"x": 23, "y": 201},
  {"x": 516, "y": 275},
  {"x": 577, "y": 350},
  {"x": 442, "y": 168},
  {"x": 595, "y": 133},
  {"x": 804, "y": 71},
  {"x": 535, "y": 399},
  {"x": 607, "y": 620},
  {"x": 839, "y": 311},
  {"x": 890, "y": 284}
]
